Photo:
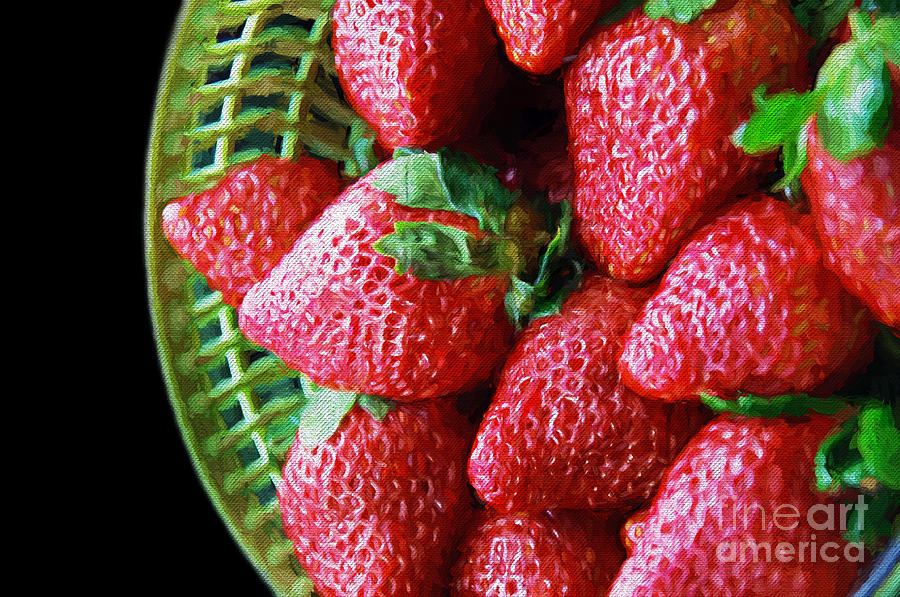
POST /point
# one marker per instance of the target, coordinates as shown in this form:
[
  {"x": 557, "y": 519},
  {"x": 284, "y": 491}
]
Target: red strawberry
[
  {"x": 651, "y": 105},
  {"x": 235, "y": 232},
  {"x": 740, "y": 482},
  {"x": 376, "y": 510},
  {"x": 747, "y": 305},
  {"x": 565, "y": 554},
  {"x": 397, "y": 301},
  {"x": 856, "y": 207},
  {"x": 562, "y": 431},
  {"x": 418, "y": 72},
  {"x": 539, "y": 34}
]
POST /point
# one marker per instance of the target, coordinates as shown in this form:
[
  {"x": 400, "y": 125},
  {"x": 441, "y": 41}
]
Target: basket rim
[{"x": 151, "y": 173}]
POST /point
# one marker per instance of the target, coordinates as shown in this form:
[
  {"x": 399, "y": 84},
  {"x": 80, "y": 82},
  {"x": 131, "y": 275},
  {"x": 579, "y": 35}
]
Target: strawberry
[
  {"x": 562, "y": 430},
  {"x": 538, "y": 35},
  {"x": 731, "y": 518},
  {"x": 748, "y": 305},
  {"x": 563, "y": 554},
  {"x": 650, "y": 106},
  {"x": 856, "y": 207},
  {"x": 839, "y": 145},
  {"x": 393, "y": 293},
  {"x": 376, "y": 509},
  {"x": 418, "y": 72},
  {"x": 235, "y": 232}
]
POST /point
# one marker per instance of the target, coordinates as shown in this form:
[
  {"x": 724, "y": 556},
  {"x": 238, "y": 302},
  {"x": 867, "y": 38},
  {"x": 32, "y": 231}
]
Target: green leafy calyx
[
  {"x": 851, "y": 101},
  {"x": 680, "y": 11},
  {"x": 525, "y": 240},
  {"x": 325, "y": 408},
  {"x": 432, "y": 251},
  {"x": 450, "y": 181},
  {"x": 797, "y": 405}
]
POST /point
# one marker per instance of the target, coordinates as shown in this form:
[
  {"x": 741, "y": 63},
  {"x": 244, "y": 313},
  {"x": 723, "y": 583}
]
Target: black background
[{"x": 170, "y": 531}]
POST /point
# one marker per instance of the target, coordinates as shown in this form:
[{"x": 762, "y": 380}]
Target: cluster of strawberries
[{"x": 436, "y": 281}]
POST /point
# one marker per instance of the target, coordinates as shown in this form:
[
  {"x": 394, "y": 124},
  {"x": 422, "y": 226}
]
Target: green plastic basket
[
  {"x": 241, "y": 79},
  {"x": 245, "y": 78}
]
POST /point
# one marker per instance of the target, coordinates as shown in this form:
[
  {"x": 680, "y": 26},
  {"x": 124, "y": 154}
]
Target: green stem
[{"x": 860, "y": 24}]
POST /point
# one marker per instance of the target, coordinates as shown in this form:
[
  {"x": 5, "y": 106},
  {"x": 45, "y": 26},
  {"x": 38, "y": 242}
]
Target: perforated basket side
[{"x": 242, "y": 79}]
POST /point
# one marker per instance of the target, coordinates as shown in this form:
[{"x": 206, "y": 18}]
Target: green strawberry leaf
[
  {"x": 325, "y": 408},
  {"x": 878, "y": 441},
  {"x": 519, "y": 301},
  {"x": 415, "y": 179},
  {"x": 779, "y": 121},
  {"x": 559, "y": 272},
  {"x": 796, "y": 405},
  {"x": 835, "y": 456},
  {"x": 883, "y": 6},
  {"x": 871, "y": 523},
  {"x": 433, "y": 251},
  {"x": 886, "y": 34},
  {"x": 820, "y": 17},
  {"x": 361, "y": 142},
  {"x": 854, "y": 115},
  {"x": 450, "y": 181},
  {"x": 552, "y": 303},
  {"x": 323, "y": 413},
  {"x": 680, "y": 11},
  {"x": 376, "y": 406}
]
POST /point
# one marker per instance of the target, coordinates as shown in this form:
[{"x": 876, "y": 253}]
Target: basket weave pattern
[{"x": 243, "y": 79}]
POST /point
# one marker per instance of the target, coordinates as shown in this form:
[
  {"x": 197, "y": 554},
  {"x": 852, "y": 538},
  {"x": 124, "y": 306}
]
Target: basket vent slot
[
  {"x": 210, "y": 332},
  {"x": 248, "y": 454},
  {"x": 200, "y": 288},
  {"x": 232, "y": 415},
  {"x": 227, "y": 34},
  {"x": 265, "y": 494},
  {"x": 288, "y": 21},
  {"x": 275, "y": 101},
  {"x": 218, "y": 73},
  {"x": 270, "y": 61},
  {"x": 253, "y": 356},
  {"x": 203, "y": 158},
  {"x": 257, "y": 140},
  {"x": 214, "y": 115},
  {"x": 219, "y": 373}
]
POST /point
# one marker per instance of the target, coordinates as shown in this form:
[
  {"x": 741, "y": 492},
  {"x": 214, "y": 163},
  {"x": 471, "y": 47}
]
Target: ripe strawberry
[
  {"x": 650, "y": 106},
  {"x": 739, "y": 482},
  {"x": 856, "y": 208},
  {"x": 539, "y": 35},
  {"x": 564, "y": 554},
  {"x": 747, "y": 305},
  {"x": 398, "y": 301},
  {"x": 377, "y": 509},
  {"x": 235, "y": 232},
  {"x": 418, "y": 72},
  {"x": 562, "y": 431}
]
